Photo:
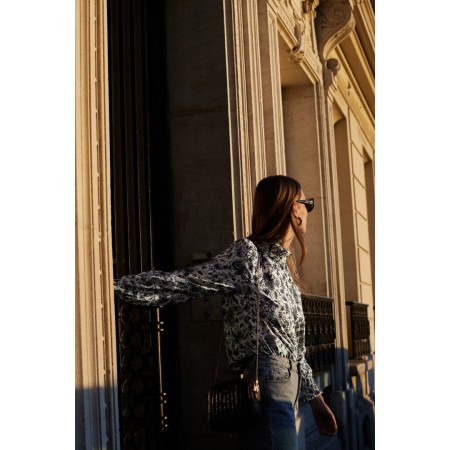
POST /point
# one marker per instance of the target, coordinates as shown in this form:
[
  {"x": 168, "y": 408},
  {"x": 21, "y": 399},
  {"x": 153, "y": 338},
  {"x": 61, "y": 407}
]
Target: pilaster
[
  {"x": 246, "y": 107},
  {"x": 334, "y": 21},
  {"x": 238, "y": 117},
  {"x": 255, "y": 96},
  {"x": 279, "y": 166},
  {"x": 96, "y": 384}
]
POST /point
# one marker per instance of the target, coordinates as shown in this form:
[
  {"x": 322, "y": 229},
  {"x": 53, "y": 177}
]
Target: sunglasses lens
[{"x": 309, "y": 204}]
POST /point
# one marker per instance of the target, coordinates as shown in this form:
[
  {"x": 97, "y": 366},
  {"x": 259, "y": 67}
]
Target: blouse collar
[{"x": 275, "y": 249}]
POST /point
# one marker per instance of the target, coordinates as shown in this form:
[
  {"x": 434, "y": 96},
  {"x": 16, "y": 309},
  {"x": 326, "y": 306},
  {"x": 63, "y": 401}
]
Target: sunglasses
[{"x": 308, "y": 202}]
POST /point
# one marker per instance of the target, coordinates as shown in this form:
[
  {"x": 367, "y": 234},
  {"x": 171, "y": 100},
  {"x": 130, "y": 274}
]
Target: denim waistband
[{"x": 280, "y": 361}]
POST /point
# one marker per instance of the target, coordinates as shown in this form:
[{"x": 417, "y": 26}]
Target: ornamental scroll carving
[{"x": 334, "y": 22}]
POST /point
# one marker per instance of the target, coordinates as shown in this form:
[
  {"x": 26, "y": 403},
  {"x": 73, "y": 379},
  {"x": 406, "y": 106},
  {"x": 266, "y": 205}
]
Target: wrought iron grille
[
  {"x": 320, "y": 331},
  {"x": 358, "y": 330}
]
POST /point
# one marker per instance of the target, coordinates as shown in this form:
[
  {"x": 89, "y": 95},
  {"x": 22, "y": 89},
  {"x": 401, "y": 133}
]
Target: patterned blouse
[{"x": 234, "y": 275}]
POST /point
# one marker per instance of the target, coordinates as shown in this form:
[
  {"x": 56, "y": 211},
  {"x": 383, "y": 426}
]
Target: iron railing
[
  {"x": 320, "y": 331},
  {"x": 358, "y": 330}
]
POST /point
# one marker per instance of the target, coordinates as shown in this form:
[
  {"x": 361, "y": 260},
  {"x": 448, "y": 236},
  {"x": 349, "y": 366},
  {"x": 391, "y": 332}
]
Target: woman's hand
[{"x": 324, "y": 417}]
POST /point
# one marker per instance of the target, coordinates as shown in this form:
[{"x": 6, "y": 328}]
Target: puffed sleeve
[{"x": 228, "y": 272}]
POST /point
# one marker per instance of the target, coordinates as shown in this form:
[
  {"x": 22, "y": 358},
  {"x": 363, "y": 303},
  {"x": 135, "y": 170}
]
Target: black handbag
[{"x": 235, "y": 405}]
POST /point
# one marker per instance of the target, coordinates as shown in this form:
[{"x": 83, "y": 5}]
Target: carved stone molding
[
  {"x": 96, "y": 407},
  {"x": 298, "y": 52},
  {"x": 334, "y": 22},
  {"x": 303, "y": 27},
  {"x": 307, "y": 6},
  {"x": 287, "y": 15},
  {"x": 304, "y": 52}
]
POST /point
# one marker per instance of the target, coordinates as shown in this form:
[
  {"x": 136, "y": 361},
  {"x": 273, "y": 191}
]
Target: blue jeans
[{"x": 280, "y": 388}]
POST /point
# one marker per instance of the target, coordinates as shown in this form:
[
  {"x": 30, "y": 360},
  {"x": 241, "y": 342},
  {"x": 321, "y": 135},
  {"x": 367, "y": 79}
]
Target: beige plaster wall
[{"x": 303, "y": 163}]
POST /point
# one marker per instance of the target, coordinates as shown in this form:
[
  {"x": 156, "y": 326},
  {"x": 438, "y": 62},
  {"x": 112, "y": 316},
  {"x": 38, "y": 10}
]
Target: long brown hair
[{"x": 272, "y": 213}]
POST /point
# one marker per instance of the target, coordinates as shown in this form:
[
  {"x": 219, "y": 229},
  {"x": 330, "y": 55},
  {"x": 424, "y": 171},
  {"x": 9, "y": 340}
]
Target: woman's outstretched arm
[{"x": 230, "y": 271}]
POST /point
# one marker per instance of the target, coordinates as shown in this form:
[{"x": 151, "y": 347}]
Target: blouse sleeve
[
  {"x": 228, "y": 272},
  {"x": 309, "y": 388}
]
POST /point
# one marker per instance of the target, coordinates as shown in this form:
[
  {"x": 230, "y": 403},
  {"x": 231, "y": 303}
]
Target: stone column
[{"x": 333, "y": 23}]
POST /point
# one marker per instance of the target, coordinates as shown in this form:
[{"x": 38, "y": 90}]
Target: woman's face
[{"x": 301, "y": 212}]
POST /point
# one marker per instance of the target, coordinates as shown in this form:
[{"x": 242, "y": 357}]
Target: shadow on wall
[
  {"x": 80, "y": 442},
  {"x": 144, "y": 434},
  {"x": 363, "y": 409},
  {"x": 365, "y": 423},
  {"x": 353, "y": 407},
  {"x": 354, "y": 412}
]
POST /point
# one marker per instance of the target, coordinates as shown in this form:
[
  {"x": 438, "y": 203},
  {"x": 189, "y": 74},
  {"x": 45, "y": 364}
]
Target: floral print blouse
[{"x": 235, "y": 274}]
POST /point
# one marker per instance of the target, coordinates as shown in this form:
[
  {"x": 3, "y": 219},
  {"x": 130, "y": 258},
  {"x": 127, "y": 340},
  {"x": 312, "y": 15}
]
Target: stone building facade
[{"x": 181, "y": 109}]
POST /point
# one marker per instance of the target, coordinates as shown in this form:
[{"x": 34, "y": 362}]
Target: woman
[{"x": 260, "y": 263}]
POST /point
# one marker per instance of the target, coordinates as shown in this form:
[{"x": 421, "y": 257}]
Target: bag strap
[{"x": 256, "y": 387}]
